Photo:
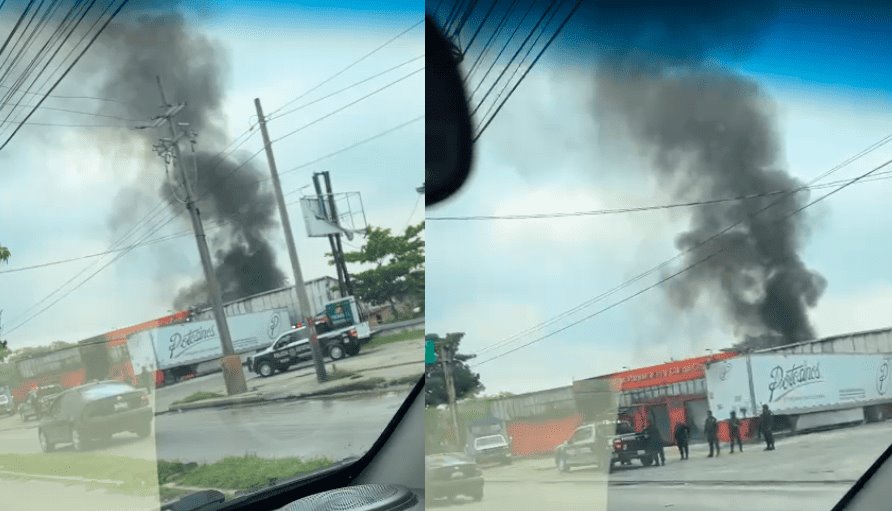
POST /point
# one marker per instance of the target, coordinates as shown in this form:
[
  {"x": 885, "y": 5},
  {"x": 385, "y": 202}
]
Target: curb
[
  {"x": 247, "y": 398},
  {"x": 260, "y": 398},
  {"x": 67, "y": 479}
]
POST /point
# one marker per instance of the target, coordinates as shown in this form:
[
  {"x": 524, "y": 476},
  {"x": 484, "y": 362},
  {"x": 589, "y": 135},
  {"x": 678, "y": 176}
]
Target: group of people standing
[{"x": 710, "y": 430}]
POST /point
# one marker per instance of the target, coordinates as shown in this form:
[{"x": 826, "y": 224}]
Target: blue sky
[
  {"x": 494, "y": 279},
  {"x": 59, "y": 203}
]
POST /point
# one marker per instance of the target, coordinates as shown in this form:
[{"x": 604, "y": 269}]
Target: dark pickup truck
[
  {"x": 293, "y": 347},
  {"x": 604, "y": 444}
]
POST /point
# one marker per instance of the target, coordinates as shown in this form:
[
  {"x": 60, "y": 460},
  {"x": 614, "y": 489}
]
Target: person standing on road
[
  {"x": 711, "y": 429},
  {"x": 682, "y": 436},
  {"x": 655, "y": 444},
  {"x": 766, "y": 425},
  {"x": 734, "y": 429}
]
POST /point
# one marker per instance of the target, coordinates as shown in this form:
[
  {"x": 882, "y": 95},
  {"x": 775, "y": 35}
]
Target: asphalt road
[
  {"x": 574, "y": 496},
  {"x": 334, "y": 428},
  {"x": 805, "y": 472}
]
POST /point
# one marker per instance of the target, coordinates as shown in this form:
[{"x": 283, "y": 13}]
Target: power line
[
  {"x": 480, "y": 26},
  {"x": 687, "y": 268},
  {"x": 349, "y": 147},
  {"x": 516, "y": 53},
  {"x": 492, "y": 36},
  {"x": 68, "y": 24},
  {"x": 269, "y": 118},
  {"x": 57, "y": 96},
  {"x": 524, "y": 75},
  {"x": 600, "y": 212},
  {"x": 68, "y": 69},
  {"x": 68, "y": 110},
  {"x": 355, "y": 62},
  {"x": 498, "y": 56},
  {"x": 605, "y": 309},
  {"x": 348, "y": 105},
  {"x": 876, "y": 145}
]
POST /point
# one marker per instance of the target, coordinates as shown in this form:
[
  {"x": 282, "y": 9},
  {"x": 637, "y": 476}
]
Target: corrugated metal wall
[
  {"x": 557, "y": 402},
  {"x": 319, "y": 291},
  {"x": 873, "y": 341}
]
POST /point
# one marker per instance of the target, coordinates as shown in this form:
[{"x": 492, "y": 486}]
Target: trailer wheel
[
  {"x": 265, "y": 369},
  {"x": 336, "y": 351}
]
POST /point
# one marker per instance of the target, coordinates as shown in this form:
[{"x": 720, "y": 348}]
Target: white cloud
[{"x": 854, "y": 311}]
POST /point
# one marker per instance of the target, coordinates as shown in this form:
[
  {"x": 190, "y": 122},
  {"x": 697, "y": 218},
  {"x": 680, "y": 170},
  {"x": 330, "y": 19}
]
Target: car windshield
[
  {"x": 489, "y": 441},
  {"x": 674, "y": 208},
  {"x": 180, "y": 185}
]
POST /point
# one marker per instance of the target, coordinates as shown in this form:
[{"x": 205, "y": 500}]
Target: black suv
[{"x": 95, "y": 411}]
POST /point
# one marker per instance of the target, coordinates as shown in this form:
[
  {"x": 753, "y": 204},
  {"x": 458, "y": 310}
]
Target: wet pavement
[{"x": 811, "y": 471}]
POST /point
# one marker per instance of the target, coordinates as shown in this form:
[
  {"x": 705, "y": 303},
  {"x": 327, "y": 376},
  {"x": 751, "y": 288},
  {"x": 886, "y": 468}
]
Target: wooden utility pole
[
  {"x": 233, "y": 372},
  {"x": 299, "y": 286},
  {"x": 446, "y": 349}
]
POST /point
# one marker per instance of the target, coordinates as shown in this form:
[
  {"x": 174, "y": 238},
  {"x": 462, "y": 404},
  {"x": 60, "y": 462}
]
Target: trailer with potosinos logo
[
  {"x": 809, "y": 390},
  {"x": 188, "y": 344}
]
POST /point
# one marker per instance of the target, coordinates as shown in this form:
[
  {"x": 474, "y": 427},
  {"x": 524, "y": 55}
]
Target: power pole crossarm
[{"x": 299, "y": 286}]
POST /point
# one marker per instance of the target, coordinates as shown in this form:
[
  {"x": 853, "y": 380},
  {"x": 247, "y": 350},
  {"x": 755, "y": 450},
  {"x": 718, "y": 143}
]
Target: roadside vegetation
[
  {"x": 410, "y": 335},
  {"x": 116, "y": 473},
  {"x": 237, "y": 473}
]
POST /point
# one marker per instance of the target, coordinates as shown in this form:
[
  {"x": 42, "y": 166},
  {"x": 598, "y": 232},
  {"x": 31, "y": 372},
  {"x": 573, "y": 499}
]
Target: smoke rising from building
[
  {"x": 240, "y": 214},
  {"x": 710, "y": 133}
]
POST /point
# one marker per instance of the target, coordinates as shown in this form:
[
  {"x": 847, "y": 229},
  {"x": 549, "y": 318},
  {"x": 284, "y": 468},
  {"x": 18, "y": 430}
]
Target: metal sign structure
[{"x": 349, "y": 221}]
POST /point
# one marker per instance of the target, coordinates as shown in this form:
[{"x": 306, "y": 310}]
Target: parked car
[
  {"x": 491, "y": 448},
  {"x": 604, "y": 444},
  {"x": 37, "y": 401},
  {"x": 450, "y": 475},
  {"x": 93, "y": 412},
  {"x": 6, "y": 405}
]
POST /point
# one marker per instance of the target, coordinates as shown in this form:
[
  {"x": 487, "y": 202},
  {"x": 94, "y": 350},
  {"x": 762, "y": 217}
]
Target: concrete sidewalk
[{"x": 389, "y": 367}]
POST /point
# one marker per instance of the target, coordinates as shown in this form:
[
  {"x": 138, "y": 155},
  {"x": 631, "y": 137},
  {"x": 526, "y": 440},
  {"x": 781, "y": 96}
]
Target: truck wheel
[
  {"x": 477, "y": 495},
  {"x": 336, "y": 351},
  {"x": 265, "y": 369},
  {"x": 353, "y": 350},
  {"x": 647, "y": 460}
]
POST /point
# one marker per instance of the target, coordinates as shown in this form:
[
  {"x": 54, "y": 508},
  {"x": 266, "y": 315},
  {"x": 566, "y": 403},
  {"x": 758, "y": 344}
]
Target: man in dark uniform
[
  {"x": 682, "y": 436},
  {"x": 711, "y": 430},
  {"x": 655, "y": 444},
  {"x": 766, "y": 425},
  {"x": 734, "y": 430}
]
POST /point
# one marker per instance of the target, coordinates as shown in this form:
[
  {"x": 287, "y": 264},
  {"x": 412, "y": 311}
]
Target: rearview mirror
[{"x": 448, "y": 138}]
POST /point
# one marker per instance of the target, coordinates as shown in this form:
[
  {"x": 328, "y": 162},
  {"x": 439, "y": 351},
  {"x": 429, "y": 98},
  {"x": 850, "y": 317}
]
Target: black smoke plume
[
  {"x": 238, "y": 210},
  {"x": 710, "y": 133}
]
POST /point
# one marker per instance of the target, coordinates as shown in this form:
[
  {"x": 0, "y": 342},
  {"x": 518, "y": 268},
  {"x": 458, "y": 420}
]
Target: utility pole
[
  {"x": 299, "y": 286},
  {"x": 334, "y": 219},
  {"x": 446, "y": 354},
  {"x": 323, "y": 208},
  {"x": 233, "y": 373}
]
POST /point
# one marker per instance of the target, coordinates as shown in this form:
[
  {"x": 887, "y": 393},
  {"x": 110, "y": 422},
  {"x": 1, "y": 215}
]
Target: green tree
[
  {"x": 4, "y": 254},
  {"x": 467, "y": 382},
  {"x": 398, "y": 267}
]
